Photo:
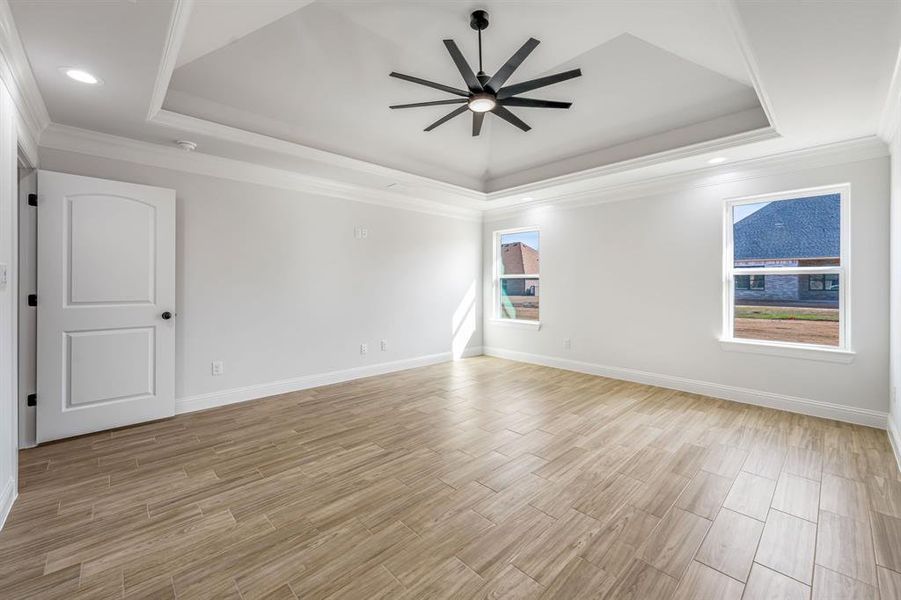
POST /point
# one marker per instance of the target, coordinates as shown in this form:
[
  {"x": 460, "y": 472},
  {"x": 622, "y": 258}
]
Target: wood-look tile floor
[{"x": 476, "y": 479}]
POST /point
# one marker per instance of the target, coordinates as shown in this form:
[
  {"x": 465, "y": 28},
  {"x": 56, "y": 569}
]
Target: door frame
[{"x": 26, "y": 321}]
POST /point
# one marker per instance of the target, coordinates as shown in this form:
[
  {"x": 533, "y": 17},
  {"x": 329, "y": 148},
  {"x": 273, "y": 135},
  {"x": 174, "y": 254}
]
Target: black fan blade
[
  {"x": 508, "y": 116},
  {"x": 465, "y": 70},
  {"x": 498, "y": 79},
  {"x": 447, "y": 117},
  {"x": 432, "y": 103},
  {"x": 534, "y": 84},
  {"x": 477, "y": 119},
  {"x": 533, "y": 103},
  {"x": 431, "y": 84}
]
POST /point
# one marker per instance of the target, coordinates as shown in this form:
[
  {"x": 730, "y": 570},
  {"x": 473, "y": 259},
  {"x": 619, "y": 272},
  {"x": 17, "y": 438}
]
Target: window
[
  {"x": 750, "y": 282},
  {"x": 785, "y": 262},
  {"x": 516, "y": 282},
  {"x": 822, "y": 283}
]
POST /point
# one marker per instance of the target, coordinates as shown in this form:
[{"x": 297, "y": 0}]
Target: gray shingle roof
[{"x": 798, "y": 228}]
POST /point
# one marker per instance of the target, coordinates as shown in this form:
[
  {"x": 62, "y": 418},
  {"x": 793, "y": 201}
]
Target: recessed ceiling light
[
  {"x": 528, "y": 199},
  {"x": 717, "y": 160},
  {"x": 80, "y": 75}
]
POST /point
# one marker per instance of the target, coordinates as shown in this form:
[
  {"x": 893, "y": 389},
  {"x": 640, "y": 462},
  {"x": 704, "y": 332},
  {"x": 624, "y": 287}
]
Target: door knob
[{"x": 166, "y": 315}]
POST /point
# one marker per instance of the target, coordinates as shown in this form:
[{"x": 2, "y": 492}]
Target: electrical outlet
[
  {"x": 567, "y": 344},
  {"x": 383, "y": 345},
  {"x": 360, "y": 232},
  {"x": 217, "y": 367},
  {"x": 364, "y": 349}
]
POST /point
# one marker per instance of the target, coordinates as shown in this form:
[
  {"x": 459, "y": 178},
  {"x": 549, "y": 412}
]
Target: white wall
[
  {"x": 273, "y": 282},
  {"x": 637, "y": 285},
  {"x": 8, "y": 311}
]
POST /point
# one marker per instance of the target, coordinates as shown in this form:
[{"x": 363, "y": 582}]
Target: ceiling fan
[{"x": 486, "y": 93}]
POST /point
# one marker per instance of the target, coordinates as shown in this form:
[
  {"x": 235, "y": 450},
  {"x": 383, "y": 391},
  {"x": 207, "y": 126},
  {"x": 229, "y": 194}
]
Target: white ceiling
[
  {"x": 657, "y": 76},
  {"x": 215, "y": 23},
  {"x": 318, "y": 77}
]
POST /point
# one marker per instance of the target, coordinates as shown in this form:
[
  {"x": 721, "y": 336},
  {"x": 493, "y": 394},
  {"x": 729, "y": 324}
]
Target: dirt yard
[{"x": 788, "y": 330}]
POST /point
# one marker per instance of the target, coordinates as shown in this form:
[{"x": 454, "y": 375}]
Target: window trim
[
  {"x": 497, "y": 277},
  {"x": 790, "y": 349}
]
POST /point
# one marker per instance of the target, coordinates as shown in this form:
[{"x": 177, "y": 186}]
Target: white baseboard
[
  {"x": 804, "y": 406},
  {"x": 7, "y": 497},
  {"x": 284, "y": 386},
  {"x": 894, "y": 436}
]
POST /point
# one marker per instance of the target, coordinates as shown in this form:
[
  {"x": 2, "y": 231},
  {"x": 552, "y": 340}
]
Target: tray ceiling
[{"x": 317, "y": 76}]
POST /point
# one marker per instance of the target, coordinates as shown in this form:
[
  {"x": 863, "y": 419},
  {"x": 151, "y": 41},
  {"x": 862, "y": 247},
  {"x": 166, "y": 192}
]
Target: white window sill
[
  {"x": 517, "y": 324},
  {"x": 788, "y": 350}
]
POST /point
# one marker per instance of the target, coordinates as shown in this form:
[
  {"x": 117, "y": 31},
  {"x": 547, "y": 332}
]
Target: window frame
[
  {"x": 496, "y": 315},
  {"x": 840, "y": 353}
]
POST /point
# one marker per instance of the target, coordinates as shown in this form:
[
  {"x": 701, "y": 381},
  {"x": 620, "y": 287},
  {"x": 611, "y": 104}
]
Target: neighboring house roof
[
  {"x": 519, "y": 259},
  {"x": 798, "y": 228}
]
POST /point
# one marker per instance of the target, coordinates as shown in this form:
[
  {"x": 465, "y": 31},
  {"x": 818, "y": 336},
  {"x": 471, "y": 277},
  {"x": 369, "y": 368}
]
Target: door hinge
[
  {"x": 32, "y": 299},
  {"x": 32, "y": 199},
  {"x": 31, "y": 400}
]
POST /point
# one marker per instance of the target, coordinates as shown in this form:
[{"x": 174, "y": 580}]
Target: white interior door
[{"x": 106, "y": 304}]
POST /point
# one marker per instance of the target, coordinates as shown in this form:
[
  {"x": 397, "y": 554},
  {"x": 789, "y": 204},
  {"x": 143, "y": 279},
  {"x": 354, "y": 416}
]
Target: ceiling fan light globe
[{"x": 481, "y": 103}]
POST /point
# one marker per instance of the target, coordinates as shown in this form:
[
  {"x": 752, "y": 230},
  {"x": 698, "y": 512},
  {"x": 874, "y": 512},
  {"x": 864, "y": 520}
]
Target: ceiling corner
[
  {"x": 733, "y": 17},
  {"x": 175, "y": 34},
  {"x": 890, "y": 120},
  {"x": 15, "y": 70}
]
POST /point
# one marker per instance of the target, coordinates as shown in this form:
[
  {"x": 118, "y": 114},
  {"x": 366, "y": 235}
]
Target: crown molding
[
  {"x": 92, "y": 143},
  {"x": 425, "y": 194},
  {"x": 513, "y": 196},
  {"x": 854, "y": 150},
  {"x": 198, "y": 126},
  {"x": 564, "y": 184},
  {"x": 175, "y": 34},
  {"x": 16, "y": 73},
  {"x": 102, "y": 145},
  {"x": 890, "y": 119},
  {"x": 434, "y": 188}
]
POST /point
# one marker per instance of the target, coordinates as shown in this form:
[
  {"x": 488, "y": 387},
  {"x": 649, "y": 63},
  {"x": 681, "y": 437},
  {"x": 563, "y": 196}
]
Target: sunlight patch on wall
[{"x": 463, "y": 323}]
